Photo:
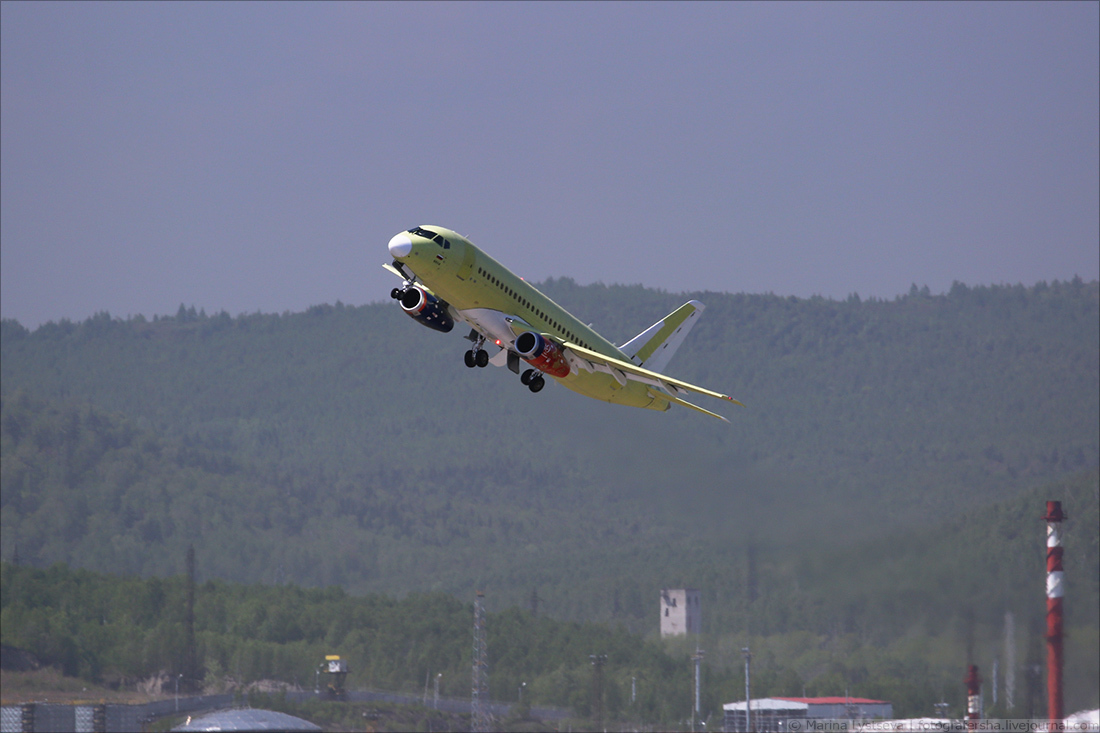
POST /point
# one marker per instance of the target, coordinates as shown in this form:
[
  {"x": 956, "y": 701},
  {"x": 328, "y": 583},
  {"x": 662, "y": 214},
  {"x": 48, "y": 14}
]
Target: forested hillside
[
  {"x": 832, "y": 634},
  {"x": 349, "y": 446}
]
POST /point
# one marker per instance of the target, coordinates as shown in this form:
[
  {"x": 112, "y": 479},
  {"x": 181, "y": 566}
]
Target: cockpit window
[{"x": 438, "y": 239}]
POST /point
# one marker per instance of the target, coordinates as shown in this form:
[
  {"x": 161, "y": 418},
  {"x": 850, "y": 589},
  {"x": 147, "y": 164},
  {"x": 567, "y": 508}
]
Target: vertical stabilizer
[{"x": 654, "y": 347}]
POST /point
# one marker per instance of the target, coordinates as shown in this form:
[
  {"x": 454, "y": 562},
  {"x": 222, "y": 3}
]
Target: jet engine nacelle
[
  {"x": 541, "y": 353},
  {"x": 426, "y": 309}
]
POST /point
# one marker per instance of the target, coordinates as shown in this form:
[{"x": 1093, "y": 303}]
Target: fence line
[{"x": 121, "y": 718}]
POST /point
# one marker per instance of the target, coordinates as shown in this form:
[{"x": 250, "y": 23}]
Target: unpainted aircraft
[{"x": 448, "y": 279}]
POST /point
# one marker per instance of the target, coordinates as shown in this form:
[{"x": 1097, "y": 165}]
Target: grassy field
[{"x": 49, "y": 685}]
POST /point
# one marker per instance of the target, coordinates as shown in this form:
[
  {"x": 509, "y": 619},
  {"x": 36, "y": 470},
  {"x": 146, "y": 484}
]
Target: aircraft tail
[{"x": 653, "y": 348}]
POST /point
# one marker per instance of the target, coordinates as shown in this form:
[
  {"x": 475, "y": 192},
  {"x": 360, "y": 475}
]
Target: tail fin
[{"x": 654, "y": 347}]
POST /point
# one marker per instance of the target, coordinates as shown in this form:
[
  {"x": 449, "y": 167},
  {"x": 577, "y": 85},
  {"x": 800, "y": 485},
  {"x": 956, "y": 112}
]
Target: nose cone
[{"x": 400, "y": 246}]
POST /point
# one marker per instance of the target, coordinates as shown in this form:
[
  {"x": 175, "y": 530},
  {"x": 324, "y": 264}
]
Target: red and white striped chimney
[
  {"x": 1055, "y": 591},
  {"x": 973, "y": 697}
]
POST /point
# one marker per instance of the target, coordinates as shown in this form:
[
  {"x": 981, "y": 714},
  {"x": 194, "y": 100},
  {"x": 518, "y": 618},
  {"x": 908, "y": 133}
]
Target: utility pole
[
  {"x": 1010, "y": 660},
  {"x": 748, "y": 690},
  {"x": 995, "y": 665},
  {"x": 697, "y": 658},
  {"x": 190, "y": 659}
]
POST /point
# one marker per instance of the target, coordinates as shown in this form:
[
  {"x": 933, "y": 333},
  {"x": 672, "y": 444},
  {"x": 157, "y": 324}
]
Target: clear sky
[{"x": 259, "y": 156}]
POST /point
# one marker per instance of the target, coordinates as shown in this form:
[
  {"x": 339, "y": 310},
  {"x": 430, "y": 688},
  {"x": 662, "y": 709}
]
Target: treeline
[
  {"x": 115, "y": 629},
  {"x": 981, "y": 388}
]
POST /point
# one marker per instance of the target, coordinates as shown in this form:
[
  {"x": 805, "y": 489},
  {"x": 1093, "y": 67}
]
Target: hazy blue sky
[{"x": 259, "y": 156}]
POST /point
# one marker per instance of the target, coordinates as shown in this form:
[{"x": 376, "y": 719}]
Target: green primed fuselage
[{"x": 470, "y": 280}]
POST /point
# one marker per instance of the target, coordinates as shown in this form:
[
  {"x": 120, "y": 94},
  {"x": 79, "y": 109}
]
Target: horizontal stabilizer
[{"x": 684, "y": 403}]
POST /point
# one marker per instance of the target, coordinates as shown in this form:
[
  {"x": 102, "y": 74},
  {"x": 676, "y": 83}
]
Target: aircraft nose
[{"x": 400, "y": 246}]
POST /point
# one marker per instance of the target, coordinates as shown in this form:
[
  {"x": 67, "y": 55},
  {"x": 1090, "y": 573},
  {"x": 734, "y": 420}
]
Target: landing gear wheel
[
  {"x": 481, "y": 358},
  {"x": 525, "y": 378},
  {"x": 470, "y": 359},
  {"x": 396, "y": 293},
  {"x": 536, "y": 384}
]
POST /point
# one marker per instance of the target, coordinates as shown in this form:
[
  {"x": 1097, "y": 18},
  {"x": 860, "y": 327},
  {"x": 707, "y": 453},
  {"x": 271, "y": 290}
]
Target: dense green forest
[
  {"x": 902, "y": 644},
  {"x": 347, "y": 446}
]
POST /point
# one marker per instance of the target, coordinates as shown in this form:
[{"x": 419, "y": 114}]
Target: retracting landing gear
[
  {"x": 533, "y": 379},
  {"x": 477, "y": 356}
]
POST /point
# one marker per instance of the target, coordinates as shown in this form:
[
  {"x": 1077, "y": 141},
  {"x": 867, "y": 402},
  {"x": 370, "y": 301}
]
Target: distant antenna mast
[{"x": 479, "y": 697}]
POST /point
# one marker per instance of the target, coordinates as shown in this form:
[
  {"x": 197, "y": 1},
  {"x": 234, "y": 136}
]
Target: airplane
[{"x": 446, "y": 279}]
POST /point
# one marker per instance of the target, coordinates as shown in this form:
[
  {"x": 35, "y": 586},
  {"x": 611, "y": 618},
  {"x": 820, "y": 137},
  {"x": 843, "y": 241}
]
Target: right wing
[{"x": 666, "y": 387}]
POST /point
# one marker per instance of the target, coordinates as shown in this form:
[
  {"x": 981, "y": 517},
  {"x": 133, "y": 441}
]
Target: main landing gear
[
  {"x": 476, "y": 357},
  {"x": 533, "y": 380},
  {"x": 479, "y": 357}
]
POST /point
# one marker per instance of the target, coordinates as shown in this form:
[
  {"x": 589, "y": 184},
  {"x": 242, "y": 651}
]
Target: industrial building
[
  {"x": 680, "y": 612},
  {"x": 770, "y": 714}
]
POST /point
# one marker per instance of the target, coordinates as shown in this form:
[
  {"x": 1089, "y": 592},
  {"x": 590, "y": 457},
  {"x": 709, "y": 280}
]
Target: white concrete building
[
  {"x": 770, "y": 714},
  {"x": 680, "y": 612}
]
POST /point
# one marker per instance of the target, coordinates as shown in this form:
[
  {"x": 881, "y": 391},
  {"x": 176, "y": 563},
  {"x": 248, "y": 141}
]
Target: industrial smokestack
[
  {"x": 973, "y": 697},
  {"x": 1055, "y": 591}
]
